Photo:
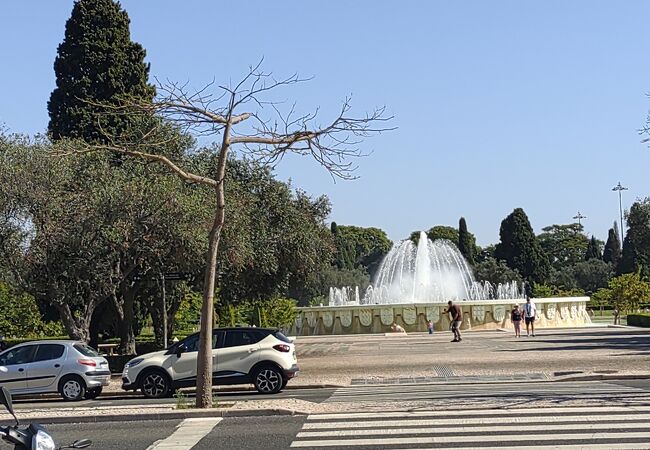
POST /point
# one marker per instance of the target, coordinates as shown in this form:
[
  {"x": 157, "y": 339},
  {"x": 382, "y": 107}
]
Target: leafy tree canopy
[
  {"x": 636, "y": 245},
  {"x": 496, "y": 272},
  {"x": 565, "y": 244},
  {"x": 612, "y": 251},
  {"x": 592, "y": 275},
  {"x": 97, "y": 63},
  {"x": 360, "y": 247},
  {"x": 594, "y": 249},
  {"x": 520, "y": 249},
  {"x": 626, "y": 292},
  {"x": 466, "y": 242}
]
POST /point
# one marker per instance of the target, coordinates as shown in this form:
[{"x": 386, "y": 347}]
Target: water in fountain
[
  {"x": 344, "y": 296},
  {"x": 430, "y": 272}
]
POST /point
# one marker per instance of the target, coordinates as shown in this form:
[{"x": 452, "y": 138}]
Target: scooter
[{"x": 32, "y": 437}]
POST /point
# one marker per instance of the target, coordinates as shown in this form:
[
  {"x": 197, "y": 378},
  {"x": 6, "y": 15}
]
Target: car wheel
[
  {"x": 268, "y": 380},
  {"x": 72, "y": 388},
  {"x": 155, "y": 384},
  {"x": 92, "y": 394},
  {"x": 284, "y": 382}
]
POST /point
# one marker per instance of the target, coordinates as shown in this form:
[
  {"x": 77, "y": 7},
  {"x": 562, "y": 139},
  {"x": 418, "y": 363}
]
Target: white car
[
  {"x": 70, "y": 368},
  {"x": 261, "y": 356}
]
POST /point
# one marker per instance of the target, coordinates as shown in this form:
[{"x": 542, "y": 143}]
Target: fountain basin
[{"x": 559, "y": 312}]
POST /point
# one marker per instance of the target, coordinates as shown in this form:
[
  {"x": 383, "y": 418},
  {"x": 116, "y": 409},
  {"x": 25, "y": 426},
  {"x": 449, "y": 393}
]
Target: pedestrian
[
  {"x": 397, "y": 328},
  {"x": 515, "y": 317},
  {"x": 430, "y": 327},
  {"x": 530, "y": 312},
  {"x": 616, "y": 314},
  {"x": 456, "y": 319}
]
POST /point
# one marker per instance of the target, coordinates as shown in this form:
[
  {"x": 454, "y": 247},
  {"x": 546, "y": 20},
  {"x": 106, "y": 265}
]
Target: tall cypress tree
[
  {"x": 97, "y": 62},
  {"x": 612, "y": 251},
  {"x": 520, "y": 248},
  {"x": 593, "y": 250},
  {"x": 636, "y": 245},
  {"x": 465, "y": 242}
]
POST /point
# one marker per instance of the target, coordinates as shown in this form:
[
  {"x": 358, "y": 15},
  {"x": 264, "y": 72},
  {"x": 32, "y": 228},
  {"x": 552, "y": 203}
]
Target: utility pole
[
  {"x": 620, "y": 190},
  {"x": 579, "y": 217}
]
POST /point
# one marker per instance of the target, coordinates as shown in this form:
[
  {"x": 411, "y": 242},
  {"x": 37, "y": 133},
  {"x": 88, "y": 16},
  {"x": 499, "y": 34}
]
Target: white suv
[{"x": 264, "y": 357}]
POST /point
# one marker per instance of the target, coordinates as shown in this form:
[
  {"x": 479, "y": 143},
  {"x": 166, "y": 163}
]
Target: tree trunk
[
  {"x": 204, "y": 358},
  {"x": 125, "y": 323},
  {"x": 77, "y": 329}
]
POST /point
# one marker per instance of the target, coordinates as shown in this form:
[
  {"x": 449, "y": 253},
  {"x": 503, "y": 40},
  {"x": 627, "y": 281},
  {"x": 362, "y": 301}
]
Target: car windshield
[
  {"x": 85, "y": 350},
  {"x": 190, "y": 341}
]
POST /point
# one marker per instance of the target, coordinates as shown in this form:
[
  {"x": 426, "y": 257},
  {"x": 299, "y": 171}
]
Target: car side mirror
[
  {"x": 5, "y": 399},
  {"x": 180, "y": 350}
]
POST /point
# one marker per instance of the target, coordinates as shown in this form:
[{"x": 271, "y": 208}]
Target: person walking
[
  {"x": 515, "y": 317},
  {"x": 456, "y": 320},
  {"x": 530, "y": 312},
  {"x": 430, "y": 327}
]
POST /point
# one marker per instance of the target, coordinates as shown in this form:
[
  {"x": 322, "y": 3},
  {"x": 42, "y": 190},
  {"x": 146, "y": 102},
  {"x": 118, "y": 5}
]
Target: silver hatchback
[{"x": 71, "y": 368}]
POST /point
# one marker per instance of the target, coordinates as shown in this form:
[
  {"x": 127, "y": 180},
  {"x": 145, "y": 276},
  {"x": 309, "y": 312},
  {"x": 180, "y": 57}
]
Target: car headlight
[
  {"x": 43, "y": 441},
  {"x": 134, "y": 362}
]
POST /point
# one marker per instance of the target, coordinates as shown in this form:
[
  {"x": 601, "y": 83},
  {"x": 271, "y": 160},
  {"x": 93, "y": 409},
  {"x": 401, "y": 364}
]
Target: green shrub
[
  {"x": 189, "y": 312},
  {"x": 21, "y": 318},
  {"x": 638, "y": 320}
]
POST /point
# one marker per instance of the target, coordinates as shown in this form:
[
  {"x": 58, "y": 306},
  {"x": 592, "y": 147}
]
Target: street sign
[{"x": 176, "y": 276}]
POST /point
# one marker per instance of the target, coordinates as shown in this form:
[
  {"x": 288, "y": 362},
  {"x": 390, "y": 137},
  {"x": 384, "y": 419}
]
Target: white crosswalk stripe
[
  {"x": 188, "y": 433},
  {"x": 567, "y": 428}
]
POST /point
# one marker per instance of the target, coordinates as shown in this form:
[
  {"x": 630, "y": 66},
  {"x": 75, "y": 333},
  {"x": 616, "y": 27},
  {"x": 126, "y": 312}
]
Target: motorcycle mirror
[
  {"x": 5, "y": 399},
  {"x": 81, "y": 443}
]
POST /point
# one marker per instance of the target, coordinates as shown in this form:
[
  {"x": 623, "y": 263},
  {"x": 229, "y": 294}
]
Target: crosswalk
[
  {"x": 565, "y": 428},
  {"x": 584, "y": 390}
]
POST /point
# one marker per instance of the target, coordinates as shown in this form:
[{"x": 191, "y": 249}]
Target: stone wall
[{"x": 477, "y": 315}]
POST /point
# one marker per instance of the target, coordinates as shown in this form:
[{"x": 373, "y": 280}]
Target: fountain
[{"x": 414, "y": 284}]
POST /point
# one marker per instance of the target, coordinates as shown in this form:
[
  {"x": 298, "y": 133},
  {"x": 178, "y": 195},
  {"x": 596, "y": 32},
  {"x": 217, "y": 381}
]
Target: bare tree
[{"x": 263, "y": 129}]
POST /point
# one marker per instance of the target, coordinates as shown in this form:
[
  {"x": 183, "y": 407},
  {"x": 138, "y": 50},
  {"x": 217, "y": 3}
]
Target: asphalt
[
  {"x": 312, "y": 395},
  {"x": 114, "y": 435}
]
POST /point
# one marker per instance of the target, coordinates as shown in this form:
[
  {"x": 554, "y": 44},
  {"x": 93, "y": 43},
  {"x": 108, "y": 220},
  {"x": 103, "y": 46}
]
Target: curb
[{"x": 165, "y": 416}]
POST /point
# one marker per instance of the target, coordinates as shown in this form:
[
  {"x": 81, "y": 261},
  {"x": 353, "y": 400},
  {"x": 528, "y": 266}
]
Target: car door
[
  {"x": 15, "y": 361},
  {"x": 184, "y": 365},
  {"x": 46, "y": 366},
  {"x": 239, "y": 353}
]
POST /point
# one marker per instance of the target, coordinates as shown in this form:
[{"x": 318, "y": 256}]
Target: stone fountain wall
[{"x": 477, "y": 315}]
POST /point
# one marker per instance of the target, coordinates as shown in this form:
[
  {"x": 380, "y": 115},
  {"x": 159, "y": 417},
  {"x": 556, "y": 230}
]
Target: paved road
[
  {"x": 613, "y": 415},
  {"x": 352, "y": 359},
  {"x": 564, "y": 428},
  {"x": 508, "y": 393},
  {"x": 611, "y": 392}
]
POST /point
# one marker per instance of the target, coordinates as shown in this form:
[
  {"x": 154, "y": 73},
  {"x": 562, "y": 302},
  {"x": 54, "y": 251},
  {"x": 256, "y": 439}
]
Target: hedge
[{"x": 638, "y": 320}]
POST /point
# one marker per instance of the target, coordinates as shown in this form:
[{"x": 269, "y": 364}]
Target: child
[{"x": 430, "y": 327}]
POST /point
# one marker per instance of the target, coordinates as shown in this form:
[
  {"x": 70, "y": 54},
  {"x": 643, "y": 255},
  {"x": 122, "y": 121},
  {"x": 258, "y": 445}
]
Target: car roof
[{"x": 51, "y": 341}]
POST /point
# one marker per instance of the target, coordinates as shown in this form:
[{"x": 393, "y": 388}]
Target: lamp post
[
  {"x": 620, "y": 190},
  {"x": 579, "y": 217}
]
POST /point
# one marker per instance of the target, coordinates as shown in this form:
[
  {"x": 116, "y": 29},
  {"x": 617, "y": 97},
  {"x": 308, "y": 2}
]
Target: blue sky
[{"x": 499, "y": 104}]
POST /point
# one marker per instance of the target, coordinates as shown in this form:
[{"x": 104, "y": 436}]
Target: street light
[
  {"x": 620, "y": 189},
  {"x": 579, "y": 217}
]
